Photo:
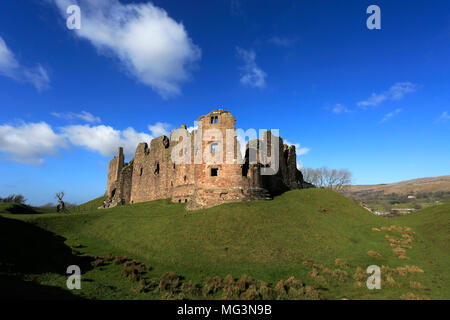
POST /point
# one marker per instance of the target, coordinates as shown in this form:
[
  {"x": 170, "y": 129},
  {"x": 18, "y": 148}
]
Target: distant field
[
  {"x": 317, "y": 236},
  {"x": 415, "y": 194}
]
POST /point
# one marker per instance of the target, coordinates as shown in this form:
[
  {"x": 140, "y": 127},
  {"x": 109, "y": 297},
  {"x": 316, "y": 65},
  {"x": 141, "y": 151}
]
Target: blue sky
[{"x": 373, "y": 101}]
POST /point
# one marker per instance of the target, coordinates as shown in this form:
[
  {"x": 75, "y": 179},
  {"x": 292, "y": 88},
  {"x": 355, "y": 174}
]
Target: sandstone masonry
[{"x": 153, "y": 174}]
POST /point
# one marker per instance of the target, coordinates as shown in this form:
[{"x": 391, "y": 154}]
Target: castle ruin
[{"x": 202, "y": 168}]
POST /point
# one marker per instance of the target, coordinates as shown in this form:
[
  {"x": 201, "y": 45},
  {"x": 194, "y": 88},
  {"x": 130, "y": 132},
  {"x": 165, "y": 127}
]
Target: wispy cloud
[
  {"x": 253, "y": 75},
  {"x": 83, "y": 115},
  {"x": 281, "y": 41},
  {"x": 445, "y": 116},
  {"x": 152, "y": 47},
  {"x": 395, "y": 92},
  {"x": 388, "y": 116},
  {"x": 339, "y": 108},
  {"x": 160, "y": 129},
  {"x": 236, "y": 8},
  {"x": 11, "y": 68}
]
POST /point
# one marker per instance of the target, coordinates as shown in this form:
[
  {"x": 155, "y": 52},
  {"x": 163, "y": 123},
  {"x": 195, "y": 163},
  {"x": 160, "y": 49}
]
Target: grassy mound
[
  {"x": 314, "y": 235},
  {"x": 89, "y": 206}
]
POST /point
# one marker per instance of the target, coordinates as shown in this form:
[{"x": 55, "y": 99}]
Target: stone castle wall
[{"x": 153, "y": 174}]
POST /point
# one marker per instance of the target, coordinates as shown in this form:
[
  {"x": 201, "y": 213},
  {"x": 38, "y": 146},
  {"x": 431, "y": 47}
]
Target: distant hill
[
  {"x": 433, "y": 184},
  {"x": 411, "y": 194}
]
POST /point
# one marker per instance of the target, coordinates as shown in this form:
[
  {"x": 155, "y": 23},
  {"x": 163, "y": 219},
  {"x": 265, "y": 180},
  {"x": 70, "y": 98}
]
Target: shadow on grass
[
  {"x": 19, "y": 208},
  {"x": 16, "y": 288},
  {"x": 28, "y": 249}
]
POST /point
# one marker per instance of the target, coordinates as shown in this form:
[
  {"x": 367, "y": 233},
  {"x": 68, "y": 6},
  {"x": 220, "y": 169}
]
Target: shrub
[
  {"x": 169, "y": 282},
  {"x": 340, "y": 263},
  {"x": 212, "y": 285}
]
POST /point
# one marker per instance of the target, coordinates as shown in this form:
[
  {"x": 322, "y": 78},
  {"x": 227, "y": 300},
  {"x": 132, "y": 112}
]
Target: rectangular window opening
[
  {"x": 214, "y": 172},
  {"x": 214, "y": 147}
]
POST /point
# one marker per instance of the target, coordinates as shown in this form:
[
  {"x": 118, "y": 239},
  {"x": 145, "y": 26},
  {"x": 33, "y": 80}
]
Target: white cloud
[
  {"x": 299, "y": 151},
  {"x": 253, "y": 75},
  {"x": 340, "y": 108},
  {"x": 153, "y": 48},
  {"x": 29, "y": 143},
  {"x": 160, "y": 129},
  {"x": 104, "y": 139},
  {"x": 443, "y": 117},
  {"x": 395, "y": 92},
  {"x": 10, "y": 67},
  {"x": 389, "y": 115},
  {"x": 83, "y": 115}
]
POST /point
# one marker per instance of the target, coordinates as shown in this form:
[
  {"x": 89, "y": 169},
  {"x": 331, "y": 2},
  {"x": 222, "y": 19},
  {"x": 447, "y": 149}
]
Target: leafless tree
[
  {"x": 61, "y": 207},
  {"x": 14, "y": 198},
  {"x": 328, "y": 178}
]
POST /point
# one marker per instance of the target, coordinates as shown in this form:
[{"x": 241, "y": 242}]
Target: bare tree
[
  {"x": 328, "y": 178},
  {"x": 14, "y": 198},
  {"x": 61, "y": 207}
]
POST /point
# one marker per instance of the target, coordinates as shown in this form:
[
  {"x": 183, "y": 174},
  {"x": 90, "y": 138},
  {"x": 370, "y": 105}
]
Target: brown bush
[
  {"x": 188, "y": 288},
  {"x": 413, "y": 269},
  {"x": 153, "y": 283},
  {"x": 169, "y": 282},
  {"x": 266, "y": 291},
  {"x": 244, "y": 282},
  {"x": 251, "y": 293},
  {"x": 280, "y": 290},
  {"x": 412, "y": 296},
  {"x": 120, "y": 260},
  {"x": 311, "y": 294},
  {"x": 340, "y": 263},
  {"x": 390, "y": 282},
  {"x": 339, "y": 275},
  {"x": 359, "y": 275},
  {"x": 212, "y": 285},
  {"x": 108, "y": 257},
  {"x": 308, "y": 263},
  {"x": 373, "y": 253},
  {"x": 140, "y": 287}
]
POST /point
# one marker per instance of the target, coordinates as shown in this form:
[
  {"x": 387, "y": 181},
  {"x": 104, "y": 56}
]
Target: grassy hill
[{"x": 317, "y": 236}]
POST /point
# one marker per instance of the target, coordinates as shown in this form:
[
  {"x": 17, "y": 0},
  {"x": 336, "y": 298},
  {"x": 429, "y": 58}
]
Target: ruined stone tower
[{"x": 202, "y": 168}]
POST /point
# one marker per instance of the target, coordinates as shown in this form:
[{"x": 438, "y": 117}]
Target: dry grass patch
[
  {"x": 340, "y": 263},
  {"x": 412, "y": 296},
  {"x": 373, "y": 253}
]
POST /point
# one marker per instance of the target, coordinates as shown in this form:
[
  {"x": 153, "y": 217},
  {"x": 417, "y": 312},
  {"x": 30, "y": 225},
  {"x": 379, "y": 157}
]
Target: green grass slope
[
  {"x": 300, "y": 233},
  {"x": 90, "y": 205}
]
